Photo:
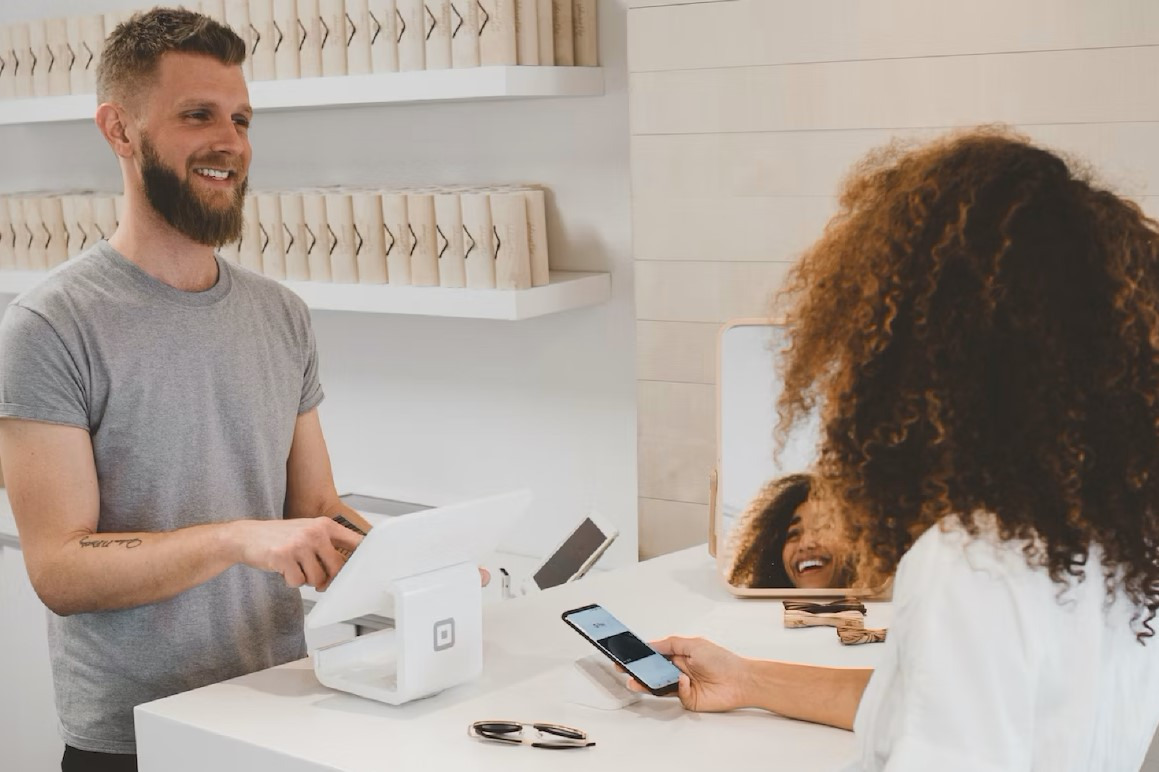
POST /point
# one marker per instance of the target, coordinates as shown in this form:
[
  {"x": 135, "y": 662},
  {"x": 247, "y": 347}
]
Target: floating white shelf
[
  {"x": 420, "y": 86},
  {"x": 566, "y": 290}
]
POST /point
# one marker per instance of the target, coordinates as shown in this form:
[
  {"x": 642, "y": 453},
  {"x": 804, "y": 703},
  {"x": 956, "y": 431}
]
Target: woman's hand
[{"x": 714, "y": 679}]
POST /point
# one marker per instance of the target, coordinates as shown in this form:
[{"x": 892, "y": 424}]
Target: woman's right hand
[{"x": 714, "y": 679}]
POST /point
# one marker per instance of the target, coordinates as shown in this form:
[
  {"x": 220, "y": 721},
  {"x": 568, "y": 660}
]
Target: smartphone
[{"x": 619, "y": 644}]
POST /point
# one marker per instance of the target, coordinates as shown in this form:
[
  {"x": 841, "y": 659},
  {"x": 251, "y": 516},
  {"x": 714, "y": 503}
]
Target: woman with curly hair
[
  {"x": 787, "y": 538},
  {"x": 979, "y": 327}
]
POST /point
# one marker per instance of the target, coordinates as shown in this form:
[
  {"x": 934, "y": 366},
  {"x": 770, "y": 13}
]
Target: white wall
[
  {"x": 447, "y": 406},
  {"x": 747, "y": 113}
]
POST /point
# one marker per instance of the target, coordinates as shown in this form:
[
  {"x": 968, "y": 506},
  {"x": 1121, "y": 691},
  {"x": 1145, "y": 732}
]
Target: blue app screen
[{"x": 640, "y": 659}]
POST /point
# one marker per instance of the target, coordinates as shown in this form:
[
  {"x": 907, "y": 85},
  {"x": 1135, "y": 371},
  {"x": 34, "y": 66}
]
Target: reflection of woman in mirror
[
  {"x": 979, "y": 328},
  {"x": 785, "y": 538}
]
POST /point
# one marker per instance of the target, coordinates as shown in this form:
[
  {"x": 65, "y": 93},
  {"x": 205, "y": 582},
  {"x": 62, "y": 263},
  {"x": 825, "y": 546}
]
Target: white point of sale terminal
[{"x": 421, "y": 569}]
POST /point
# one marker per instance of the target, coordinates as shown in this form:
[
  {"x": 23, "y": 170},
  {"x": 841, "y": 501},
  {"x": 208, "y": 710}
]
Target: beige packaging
[
  {"x": 39, "y": 57},
  {"x": 358, "y": 32},
  {"x": 478, "y": 240},
  {"x": 412, "y": 44},
  {"x": 93, "y": 34},
  {"x": 424, "y": 260},
  {"x": 585, "y": 32},
  {"x": 509, "y": 222},
  {"x": 7, "y": 68},
  {"x": 527, "y": 31},
  {"x": 370, "y": 237},
  {"x": 55, "y": 241},
  {"x": 537, "y": 236},
  {"x": 264, "y": 39},
  {"x": 497, "y": 41},
  {"x": 273, "y": 247},
  {"x": 287, "y": 37},
  {"x": 249, "y": 246},
  {"x": 21, "y": 59},
  {"x": 464, "y": 33},
  {"x": 104, "y": 207},
  {"x": 75, "y": 37},
  {"x": 332, "y": 18},
  {"x": 237, "y": 16},
  {"x": 77, "y": 211},
  {"x": 7, "y": 65},
  {"x": 545, "y": 15},
  {"x": 60, "y": 58},
  {"x": 340, "y": 239},
  {"x": 438, "y": 17},
  {"x": 396, "y": 234},
  {"x": 21, "y": 236},
  {"x": 214, "y": 9},
  {"x": 383, "y": 35},
  {"x": 7, "y": 238},
  {"x": 564, "y": 41},
  {"x": 295, "y": 237},
  {"x": 317, "y": 246},
  {"x": 308, "y": 35},
  {"x": 36, "y": 234},
  {"x": 449, "y": 240}
]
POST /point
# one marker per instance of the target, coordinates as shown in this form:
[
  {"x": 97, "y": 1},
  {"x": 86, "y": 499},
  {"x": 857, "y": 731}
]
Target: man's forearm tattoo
[{"x": 88, "y": 541}]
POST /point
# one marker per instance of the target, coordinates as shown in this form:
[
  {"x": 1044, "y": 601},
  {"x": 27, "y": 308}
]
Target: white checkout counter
[{"x": 283, "y": 720}]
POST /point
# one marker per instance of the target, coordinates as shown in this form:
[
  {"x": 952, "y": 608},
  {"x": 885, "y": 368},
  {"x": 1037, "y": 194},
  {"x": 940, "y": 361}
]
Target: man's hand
[
  {"x": 713, "y": 680},
  {"x": 302, "y": 550}
]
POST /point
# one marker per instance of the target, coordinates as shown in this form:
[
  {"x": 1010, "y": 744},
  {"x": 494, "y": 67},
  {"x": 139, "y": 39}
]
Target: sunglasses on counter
[{"x": 552, "y": 736}]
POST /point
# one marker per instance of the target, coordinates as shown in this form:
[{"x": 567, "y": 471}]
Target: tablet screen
[{"x": 571, "y": 555}]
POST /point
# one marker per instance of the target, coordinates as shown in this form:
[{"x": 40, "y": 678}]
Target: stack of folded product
[
  {"x": 846, "y": 614},
  {"x": 289, "y": 39},
  {"x": 492, "y": 237}
]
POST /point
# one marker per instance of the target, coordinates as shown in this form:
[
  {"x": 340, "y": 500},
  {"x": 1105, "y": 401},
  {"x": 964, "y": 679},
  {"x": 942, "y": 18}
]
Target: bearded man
[{"x": 160, "y": 436}]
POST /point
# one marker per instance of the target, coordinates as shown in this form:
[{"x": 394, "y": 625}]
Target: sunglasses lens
[{"x": 560, "y": 731}]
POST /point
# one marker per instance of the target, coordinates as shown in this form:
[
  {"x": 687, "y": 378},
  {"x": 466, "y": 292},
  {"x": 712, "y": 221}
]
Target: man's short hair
[{"x": 134, "y": 48}]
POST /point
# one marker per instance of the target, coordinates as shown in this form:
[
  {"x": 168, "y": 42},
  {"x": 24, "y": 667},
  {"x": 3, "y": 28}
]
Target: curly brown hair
[{"x": 979, "y": 326}]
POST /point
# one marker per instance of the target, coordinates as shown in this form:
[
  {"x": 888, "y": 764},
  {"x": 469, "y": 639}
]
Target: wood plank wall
[{"x": 745, "y": 114}]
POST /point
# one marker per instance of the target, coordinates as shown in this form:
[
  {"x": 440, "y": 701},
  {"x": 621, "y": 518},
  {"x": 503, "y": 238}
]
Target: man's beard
[{"x": 180, "y": 206}]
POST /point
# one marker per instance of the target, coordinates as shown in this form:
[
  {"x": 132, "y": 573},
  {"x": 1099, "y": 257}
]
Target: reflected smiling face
[{"x": 812, "y": 553}]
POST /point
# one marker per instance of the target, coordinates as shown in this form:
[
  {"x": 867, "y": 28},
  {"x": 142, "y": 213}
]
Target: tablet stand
[{"x": 437, "y": 641}]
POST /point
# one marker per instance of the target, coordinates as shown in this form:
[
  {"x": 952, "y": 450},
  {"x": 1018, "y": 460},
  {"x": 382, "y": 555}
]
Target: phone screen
[{"x": 610, "y": 636}]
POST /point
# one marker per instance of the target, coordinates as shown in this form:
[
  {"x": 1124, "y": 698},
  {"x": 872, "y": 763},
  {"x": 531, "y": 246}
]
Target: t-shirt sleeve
[
  {"x": 311, "y": 387},
  {"x": 39, "y": 377},
  {"x": 967, "y": 671}
]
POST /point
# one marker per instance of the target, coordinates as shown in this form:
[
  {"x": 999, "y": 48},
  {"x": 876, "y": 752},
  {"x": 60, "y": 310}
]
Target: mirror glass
[{"x": 772, "y": 536}]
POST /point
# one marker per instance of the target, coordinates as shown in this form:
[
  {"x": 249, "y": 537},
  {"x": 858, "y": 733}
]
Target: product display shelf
[
  {"x": 566, "y": 290},
  {"x": 420, "y": 86}
]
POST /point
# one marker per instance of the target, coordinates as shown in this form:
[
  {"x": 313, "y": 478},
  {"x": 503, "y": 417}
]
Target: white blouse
[{"x": 989, "y": 665}]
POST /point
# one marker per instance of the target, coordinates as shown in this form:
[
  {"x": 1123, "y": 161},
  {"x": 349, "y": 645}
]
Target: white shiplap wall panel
[
  {"x": 681, "y": 352},
  {"x": 1027, "y": 88},
  {"x": 705, "y": 291},
  {"x": 740, "y": 229},
  {"x": 746, "y": 116},
  {"x": 756, "y": 32},
  {"x": 813, "y": 163}
]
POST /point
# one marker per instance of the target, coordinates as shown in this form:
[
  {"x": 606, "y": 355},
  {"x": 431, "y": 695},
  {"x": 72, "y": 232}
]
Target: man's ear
[{"x": 113, "y": 121}]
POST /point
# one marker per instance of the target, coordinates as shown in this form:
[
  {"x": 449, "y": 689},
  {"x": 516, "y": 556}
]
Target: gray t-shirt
[{"x": 190, "y": 399}]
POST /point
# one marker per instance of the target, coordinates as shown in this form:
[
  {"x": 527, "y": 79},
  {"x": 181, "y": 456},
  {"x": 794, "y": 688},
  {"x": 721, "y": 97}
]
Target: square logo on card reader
[{"x": 444, "y": 634}]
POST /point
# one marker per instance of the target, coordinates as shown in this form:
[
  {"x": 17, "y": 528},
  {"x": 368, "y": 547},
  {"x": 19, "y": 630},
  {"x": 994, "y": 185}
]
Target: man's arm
[{"x": 52, "y": 485}]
